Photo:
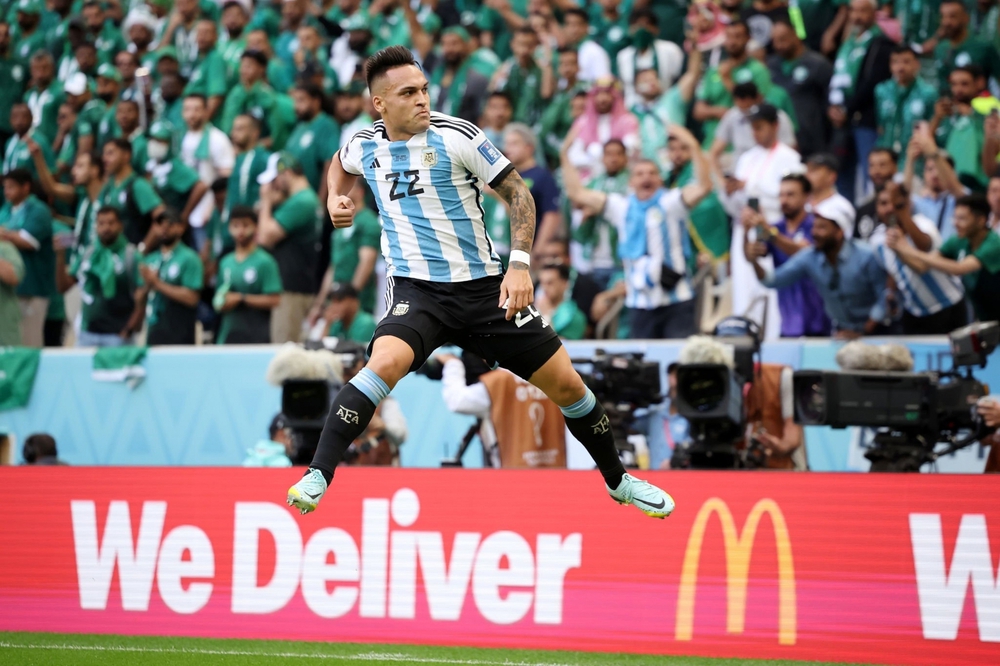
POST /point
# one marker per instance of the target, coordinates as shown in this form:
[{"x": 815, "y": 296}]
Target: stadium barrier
[
  {"x": 208, "y": 405},
  {"x": 859, "y": 568}
]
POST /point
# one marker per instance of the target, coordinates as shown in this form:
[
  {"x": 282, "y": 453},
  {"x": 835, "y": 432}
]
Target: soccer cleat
[
  {"x": 307, "y": 493},
  {"x": 643, "y": 495}
]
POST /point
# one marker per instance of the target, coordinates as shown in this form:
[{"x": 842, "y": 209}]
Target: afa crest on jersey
[{"x": 428, "y": 158}]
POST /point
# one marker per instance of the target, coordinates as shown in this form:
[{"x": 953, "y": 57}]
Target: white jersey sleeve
[
  {"x": 350, "y": 153},
  {"x": 474, "y": 151}
]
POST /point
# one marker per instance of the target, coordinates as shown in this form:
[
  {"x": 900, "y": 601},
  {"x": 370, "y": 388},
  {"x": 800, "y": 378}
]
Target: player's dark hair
[
  {"x": 887, "y": 151},
  {"x": 388, "y": 58},
  {"x": 21, "y": 176},
  {"x": 562, "y": 269},
  {"x": 900, "y": 49},
  {"x": 801, "y": 179},
  {"x": 577, "y": 12},
  {"x": 640, "y": 14},
  {"x": 976, "y": 203},
  {"x": 746, "y": 90},
  {"x": 110, "y": 210},
  {"x": 243, "y": 213},
  {"x": 121, "y": 143}
]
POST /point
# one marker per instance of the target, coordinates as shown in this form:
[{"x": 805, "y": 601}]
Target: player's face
[{"x": 402, "y": 100}]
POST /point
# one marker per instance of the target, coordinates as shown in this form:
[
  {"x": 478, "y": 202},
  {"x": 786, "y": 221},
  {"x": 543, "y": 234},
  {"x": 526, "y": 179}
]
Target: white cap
[
  {"x": 838, "y": 210},
  {"x": 139, "y": 16},
  {"x": 76, "y": 84},
  {"x": 271, "y": 171}
]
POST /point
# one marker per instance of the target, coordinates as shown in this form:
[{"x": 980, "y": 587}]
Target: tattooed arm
[{"x": 517, "y": 292}]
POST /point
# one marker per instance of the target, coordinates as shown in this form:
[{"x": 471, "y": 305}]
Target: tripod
[{"x": 470, "y": 435}]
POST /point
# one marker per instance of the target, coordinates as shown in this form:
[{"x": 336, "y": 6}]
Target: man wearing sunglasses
[{"x": 846, "y": 273}]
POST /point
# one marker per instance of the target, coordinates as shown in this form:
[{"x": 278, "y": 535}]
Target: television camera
[
  {"x": 713, "y": 378},
  {"x": 623, "y": 383},
  {"x": 913, "y": 412}
]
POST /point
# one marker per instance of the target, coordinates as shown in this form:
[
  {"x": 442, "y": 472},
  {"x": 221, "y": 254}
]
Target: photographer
[{"x": 521, "y": 427}]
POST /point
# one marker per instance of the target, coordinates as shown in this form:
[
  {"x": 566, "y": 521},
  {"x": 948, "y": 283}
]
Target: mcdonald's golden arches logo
[{"x": 738, "y": 550}]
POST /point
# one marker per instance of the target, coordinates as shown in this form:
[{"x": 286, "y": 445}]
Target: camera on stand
[
  {"x": 913, "y": 412},
  {"x": 623, "y": 383},
  {"x": 713, "y": 378}
]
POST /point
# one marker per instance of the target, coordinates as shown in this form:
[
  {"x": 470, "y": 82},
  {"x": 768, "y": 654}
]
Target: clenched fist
[{"x": 341, "y": 210}]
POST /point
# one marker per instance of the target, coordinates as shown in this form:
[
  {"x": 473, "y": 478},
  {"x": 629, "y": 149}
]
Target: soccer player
[{"x": 427, "y": 171}]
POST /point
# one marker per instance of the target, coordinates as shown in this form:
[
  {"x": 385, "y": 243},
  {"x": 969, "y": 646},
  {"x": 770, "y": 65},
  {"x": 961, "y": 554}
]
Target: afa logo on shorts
[
  {"x": 489, "y": 151},
  {"x": 401, "y": 309}
]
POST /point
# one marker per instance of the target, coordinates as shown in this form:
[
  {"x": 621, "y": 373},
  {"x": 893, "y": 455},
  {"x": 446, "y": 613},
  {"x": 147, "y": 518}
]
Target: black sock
[
  {"x": 594, "y": 432},
  {"x": 350, "y": 414}
]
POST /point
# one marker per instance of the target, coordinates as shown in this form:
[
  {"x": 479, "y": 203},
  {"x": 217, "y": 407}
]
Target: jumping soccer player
[{"x": 446, "y": 283}]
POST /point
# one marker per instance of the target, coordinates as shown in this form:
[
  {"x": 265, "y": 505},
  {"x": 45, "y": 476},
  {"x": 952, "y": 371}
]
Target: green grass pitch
[{"x": 34, "y": 649}]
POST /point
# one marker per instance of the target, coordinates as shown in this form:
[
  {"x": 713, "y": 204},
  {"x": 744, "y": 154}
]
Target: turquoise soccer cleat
[
  {"x": 306, "y": 494},
  {"x": 642, "y": 495}
]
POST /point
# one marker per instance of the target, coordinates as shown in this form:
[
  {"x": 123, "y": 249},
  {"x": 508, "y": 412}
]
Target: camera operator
[
  {"x": 521, "y": 427},
  {"x": 989, "y": 409},
  {"x": 379, "y": 443},
  {"x": 666, "y": 430}
]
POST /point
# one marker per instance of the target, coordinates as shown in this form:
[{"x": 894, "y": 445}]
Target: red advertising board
[{"x": 896, "y": 569}]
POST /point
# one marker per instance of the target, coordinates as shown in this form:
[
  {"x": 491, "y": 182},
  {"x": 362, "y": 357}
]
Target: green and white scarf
[{"x": 119, "y": 364}]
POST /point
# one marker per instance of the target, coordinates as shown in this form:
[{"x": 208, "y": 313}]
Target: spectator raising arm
[
  {"x": 269, "y": 232},
  {"x": 52, "y": 187},
  {"x": 925, "y": 261},
  {"x": 591, "y": 201}
]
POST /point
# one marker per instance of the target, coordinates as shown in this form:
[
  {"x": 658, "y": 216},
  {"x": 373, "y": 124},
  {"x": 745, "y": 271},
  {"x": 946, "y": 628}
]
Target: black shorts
[{"x": 427, "y": 315}]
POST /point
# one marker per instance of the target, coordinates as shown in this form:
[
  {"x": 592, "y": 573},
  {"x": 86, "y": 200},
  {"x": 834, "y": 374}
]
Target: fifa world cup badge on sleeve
[{"x": 489, "y": 151}]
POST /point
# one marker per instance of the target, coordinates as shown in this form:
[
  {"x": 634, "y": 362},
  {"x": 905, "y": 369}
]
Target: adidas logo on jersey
[{"x": 374, "y": 164}]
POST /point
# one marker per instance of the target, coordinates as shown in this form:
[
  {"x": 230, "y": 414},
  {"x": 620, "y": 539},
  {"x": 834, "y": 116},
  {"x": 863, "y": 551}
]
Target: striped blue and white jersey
[
  {"x": 429, "y": 193},
  {"x": 667, "y": 244},
  {"x": 923, "y": 294}
]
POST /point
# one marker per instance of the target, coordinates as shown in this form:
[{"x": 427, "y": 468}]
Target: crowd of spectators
[{"x": 829, "y": 167}]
